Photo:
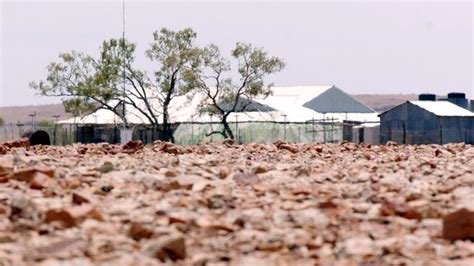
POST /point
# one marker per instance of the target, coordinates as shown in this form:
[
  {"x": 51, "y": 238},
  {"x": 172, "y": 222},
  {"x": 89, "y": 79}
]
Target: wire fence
[
  {"x": 261, "y": 132},
  {"x": 59, "y": 134},
  {"x": 187, "y": 133}
]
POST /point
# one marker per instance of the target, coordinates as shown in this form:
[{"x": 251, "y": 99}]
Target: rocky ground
[{"x": 225, "y": 204}]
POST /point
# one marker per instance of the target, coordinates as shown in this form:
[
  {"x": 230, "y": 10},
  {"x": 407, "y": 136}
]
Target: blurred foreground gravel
[{"x": 226, "y": 204}]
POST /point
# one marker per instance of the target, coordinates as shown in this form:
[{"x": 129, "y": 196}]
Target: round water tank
[
  {"x": 39, "y": 137},
  {"x": 456, "y": 95},
  {"x": 427, "y": 97}
]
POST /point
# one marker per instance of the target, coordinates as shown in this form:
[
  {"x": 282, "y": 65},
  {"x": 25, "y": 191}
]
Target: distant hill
[
  {"x": 383, "y": 102},
  {"x": 13, "y": 114}
]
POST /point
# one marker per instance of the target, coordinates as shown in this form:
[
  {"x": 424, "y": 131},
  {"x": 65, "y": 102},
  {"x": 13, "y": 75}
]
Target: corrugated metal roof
[
  {"x": 298, "y": 95},
  {"x": 335, "y": 100},
  {"x": 442, "y": 108},
  {"x": 293, "y": 112}
]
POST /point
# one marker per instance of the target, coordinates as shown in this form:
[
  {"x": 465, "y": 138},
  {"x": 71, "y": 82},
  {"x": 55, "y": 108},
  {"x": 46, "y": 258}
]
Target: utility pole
[
  {"x": 33, "y": 121},
  {"x": 123, "y": 63}
]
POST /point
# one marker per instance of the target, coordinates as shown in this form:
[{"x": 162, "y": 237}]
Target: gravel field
[{"x": 226, "y": 204}]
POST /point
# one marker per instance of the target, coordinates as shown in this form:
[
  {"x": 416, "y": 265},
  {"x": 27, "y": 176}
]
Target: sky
[{"x": 374, "y": 47}]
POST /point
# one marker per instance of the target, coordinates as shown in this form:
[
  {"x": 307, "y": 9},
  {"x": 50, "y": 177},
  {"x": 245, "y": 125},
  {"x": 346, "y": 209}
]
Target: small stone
[
  {"x": 106, "y": 167},
  {"x": 138, "y": 231},
  {"x": 173, "y": 248},
  {"x": 223, "y": 172},
  {"x": 78, "y": 199},
  {"x": 132, "y": 146},
  {"x": 40, "y": 181},
  {"x": 71, "y": 216},
  {"x": 260, "y": 170}
]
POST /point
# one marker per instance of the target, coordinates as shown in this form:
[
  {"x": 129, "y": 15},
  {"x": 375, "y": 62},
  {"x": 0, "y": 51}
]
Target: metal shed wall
[
  {"x": 410, "y": 124},
  {"x": 457, "y": 129}
]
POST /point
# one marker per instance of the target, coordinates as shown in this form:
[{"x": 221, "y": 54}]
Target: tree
[
  {"x": 2, "y": 121},
  {"x": 87, "y": 83},
  {"x": 223, "y": 95},
  {"x": 178, "y": 58},
  {"x": 83, "y": 82}
]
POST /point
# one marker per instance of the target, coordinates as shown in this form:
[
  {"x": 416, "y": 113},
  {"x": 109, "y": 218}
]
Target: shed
[
  {"x": 322, "y": 99},
  {"x": 424, "y": 122}
]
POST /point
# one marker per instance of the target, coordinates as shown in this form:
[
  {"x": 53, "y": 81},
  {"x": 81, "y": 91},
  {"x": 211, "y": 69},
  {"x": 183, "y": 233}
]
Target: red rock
[
  {"x": 302, "y": 190},
  {"x": 395, "y": 206},
  {"x": 172, "y": 247},
  {"x": 228, "y": 142},
  {"x": 168, "y": 147},
  {"x": 40, "y": 181},
  {"x": 138, "y": 231},
  {"x": 132, "y": 146},
  {"x": 26, "y": 174},
  {"x": 459, "y": 225},
  {"x": 73, "y": 215},
  {"x": 19, "y": 143},
  {"x": 78, "y": 199},
  {"x": 286, "y": 146},
  {"x": 62, "y": 216},
  {"x": 260, "y": 170}
]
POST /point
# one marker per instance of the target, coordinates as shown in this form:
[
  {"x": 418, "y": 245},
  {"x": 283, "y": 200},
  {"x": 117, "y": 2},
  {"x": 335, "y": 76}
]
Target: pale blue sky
[{"x": 362, "y": 47}]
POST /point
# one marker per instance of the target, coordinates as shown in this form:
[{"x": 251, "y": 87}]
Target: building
[
  {"x": 427, "y": 121},
  {"x": 331, "y": 101},
  {"x": 297, "y": 113},
  {"x": 368, "y": 133}
]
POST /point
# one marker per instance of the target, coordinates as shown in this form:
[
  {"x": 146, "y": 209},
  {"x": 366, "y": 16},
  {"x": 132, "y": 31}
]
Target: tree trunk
[
  {"x": 167, "y": 132},
  {"x": 227, "y": 130}
]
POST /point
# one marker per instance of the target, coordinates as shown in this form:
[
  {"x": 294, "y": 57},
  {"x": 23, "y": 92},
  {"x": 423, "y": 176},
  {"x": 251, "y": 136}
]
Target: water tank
[
  {"x": 38, "y": 137},
  {"x": 459, "y": 99},
  {"x": 427, "y": 97},
  {"x": 457, "y": 95}
]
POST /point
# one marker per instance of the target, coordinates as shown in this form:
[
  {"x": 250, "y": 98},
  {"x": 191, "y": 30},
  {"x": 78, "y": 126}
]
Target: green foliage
[
  {"x": 86, "y": 83},
  {"x": 2, "y": 121},
  {"x": 79, "y": 106},
  {"x": 177, "y": 57},
  {"x": 253, "y": 66}
]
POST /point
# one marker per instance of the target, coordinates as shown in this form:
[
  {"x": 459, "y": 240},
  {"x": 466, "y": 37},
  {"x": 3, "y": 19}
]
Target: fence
[
  {"x": 190, "y": 133},
  {"x": 262, "y": 132},
  {"x": 59, "y": 134}
]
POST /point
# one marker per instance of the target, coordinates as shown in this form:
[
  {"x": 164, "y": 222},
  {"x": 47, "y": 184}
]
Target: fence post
[
  {"x": 13, "y": 133},
  {"x": 324, "y": 130},
  {"x": 192, "y": 131},
  {"x": 299, "y": 133}
]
